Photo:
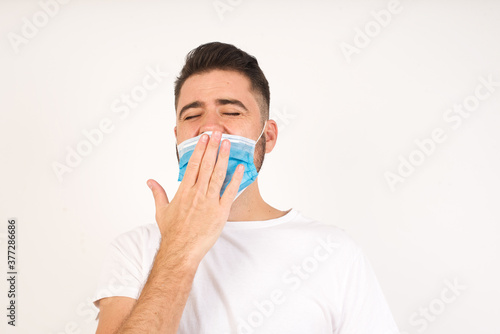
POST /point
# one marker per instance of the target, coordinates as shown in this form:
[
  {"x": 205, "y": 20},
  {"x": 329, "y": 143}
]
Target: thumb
[{"x": 159, "y": 194}]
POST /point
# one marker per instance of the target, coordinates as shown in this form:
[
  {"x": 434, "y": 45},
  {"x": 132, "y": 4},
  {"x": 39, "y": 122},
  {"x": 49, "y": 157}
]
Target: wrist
[{"x": 179, "y": 257}]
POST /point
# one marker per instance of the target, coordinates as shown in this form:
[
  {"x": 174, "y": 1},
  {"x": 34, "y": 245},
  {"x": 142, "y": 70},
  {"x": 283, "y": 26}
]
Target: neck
[{"x": 250, "y": 206}]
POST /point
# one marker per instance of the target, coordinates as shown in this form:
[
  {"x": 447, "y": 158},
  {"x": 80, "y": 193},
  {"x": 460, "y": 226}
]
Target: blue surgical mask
[{"x": 241, "y": 153}]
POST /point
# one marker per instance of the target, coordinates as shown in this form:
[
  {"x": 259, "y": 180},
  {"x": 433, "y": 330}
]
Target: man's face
[{"x": 219, "y": 101}]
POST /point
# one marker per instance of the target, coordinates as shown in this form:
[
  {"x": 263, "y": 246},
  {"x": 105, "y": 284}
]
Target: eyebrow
[{"x": 219, "y": 102}]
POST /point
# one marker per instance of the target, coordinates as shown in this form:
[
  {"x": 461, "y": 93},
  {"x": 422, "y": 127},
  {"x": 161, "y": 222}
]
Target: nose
[{"x": 211, "y": 121}]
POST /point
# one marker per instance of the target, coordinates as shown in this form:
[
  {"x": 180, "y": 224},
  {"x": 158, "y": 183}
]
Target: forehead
[{"x": 214, "y": 85}]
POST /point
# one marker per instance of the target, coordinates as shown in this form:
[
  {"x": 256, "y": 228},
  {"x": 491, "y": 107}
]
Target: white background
[{"x": 343, "y": 123}]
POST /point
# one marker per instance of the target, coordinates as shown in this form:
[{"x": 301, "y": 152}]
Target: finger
[
  {"x": 220, "y": 170},
  {"x": 208, "y": 162},
  {"x": 233, "y": 186},
  {"x": 194, "y": 163},
  {"x": 159, "y": 194}
]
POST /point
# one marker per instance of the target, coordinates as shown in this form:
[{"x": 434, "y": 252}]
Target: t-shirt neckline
[{"x": 262, "y": 223}]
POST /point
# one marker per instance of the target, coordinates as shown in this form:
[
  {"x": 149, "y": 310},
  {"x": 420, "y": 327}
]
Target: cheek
[
  {"x": 260, "y": 148},
  {"x": 185, "y": 133}
]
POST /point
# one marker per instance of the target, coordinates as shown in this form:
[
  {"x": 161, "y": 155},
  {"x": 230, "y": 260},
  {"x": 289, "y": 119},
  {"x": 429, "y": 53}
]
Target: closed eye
[{"x": 232, "y": 114}]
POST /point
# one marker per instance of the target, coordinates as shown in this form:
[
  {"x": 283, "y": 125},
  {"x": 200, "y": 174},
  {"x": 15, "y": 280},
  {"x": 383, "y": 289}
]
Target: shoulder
[
  {"x": 146, "y": 231},
  {"x": 138, "y": 239},
  {"x": 325, "y": 232}
]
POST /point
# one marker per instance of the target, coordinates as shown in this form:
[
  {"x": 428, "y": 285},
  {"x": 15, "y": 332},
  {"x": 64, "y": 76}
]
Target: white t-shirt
[{"x": 286, "y": 275}]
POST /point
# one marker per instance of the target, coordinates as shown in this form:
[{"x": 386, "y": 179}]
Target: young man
[{"x": 219, "y": 258}]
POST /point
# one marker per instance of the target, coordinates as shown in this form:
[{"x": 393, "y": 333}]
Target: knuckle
[
  {"x": 220, "y": 175},
  {"x": 229, "y": 191},
  {"x": 198, "y": 196},
  {"x": 212, "y": 190},
  {"x": 207, "y": 165},
  {"x": 214, "y": 143},
  {"x": 193, "y": 165}
]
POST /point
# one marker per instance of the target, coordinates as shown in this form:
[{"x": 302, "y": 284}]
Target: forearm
[{"x": 161, "y": 303}]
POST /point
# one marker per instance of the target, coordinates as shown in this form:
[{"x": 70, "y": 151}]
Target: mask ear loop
[{"x": 261, "y": 132}]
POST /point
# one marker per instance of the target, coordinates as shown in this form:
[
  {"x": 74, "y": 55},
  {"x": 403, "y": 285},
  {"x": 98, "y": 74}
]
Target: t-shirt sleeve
[
  {"x": 121, "y": 273},
  {"x": 364, "y": 308}
]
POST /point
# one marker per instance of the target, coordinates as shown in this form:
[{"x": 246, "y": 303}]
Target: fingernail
[{"x": 150, "y": 184}]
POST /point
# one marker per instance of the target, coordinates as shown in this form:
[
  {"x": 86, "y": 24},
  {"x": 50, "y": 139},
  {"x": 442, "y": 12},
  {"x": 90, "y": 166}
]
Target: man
[{"x": 219, "y": 258}]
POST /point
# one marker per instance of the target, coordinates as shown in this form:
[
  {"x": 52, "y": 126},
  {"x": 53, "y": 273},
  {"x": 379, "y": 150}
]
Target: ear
[{"x": 271, "y": 133}]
